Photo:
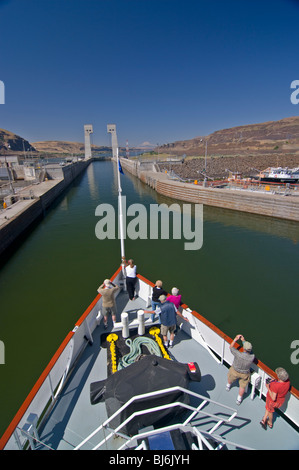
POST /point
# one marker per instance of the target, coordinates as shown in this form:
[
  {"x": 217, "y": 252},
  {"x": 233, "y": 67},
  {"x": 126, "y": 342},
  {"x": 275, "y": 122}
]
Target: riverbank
[
  {"x": 34, "y": 200},
  {"x": 266, "y": 203}
]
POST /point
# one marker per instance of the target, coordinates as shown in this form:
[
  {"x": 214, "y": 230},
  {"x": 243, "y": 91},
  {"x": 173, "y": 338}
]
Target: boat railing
[
  {"x": 218, "y": 345},
  {"x": 45, "y": 392},
  {"x": 203, "y": 439},
  {"x": 218, "y": 418}
]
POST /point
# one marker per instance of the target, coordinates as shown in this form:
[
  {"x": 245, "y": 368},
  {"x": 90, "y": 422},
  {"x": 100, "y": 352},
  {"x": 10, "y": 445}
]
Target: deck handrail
[
  {"x": 201, "y": 435},
  {"x": 195, "y": 411},
  {"x": 42, "y": 391}
]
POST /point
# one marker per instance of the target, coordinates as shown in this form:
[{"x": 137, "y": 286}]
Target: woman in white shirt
[{"x": 131, "y": 278}]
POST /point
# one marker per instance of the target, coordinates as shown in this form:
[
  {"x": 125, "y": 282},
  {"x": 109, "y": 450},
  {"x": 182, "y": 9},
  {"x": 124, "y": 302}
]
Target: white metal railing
[
  {"x": 195, "y": 412},
  {"x": 52, "y": 383},
  {"x": 219, "y": 348},
  {"x": 202, "y": 438}
]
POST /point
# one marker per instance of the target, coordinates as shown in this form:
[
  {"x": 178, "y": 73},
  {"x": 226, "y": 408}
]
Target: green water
[{"x": 244, "y": 279}]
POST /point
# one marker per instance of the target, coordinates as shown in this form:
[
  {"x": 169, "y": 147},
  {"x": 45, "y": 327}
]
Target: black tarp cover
[{"x": 150, "y": 373}]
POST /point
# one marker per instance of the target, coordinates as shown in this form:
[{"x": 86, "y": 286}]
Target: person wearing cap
[
  {"x": 167, "y": 312},
  {"x": 107, "y": 290},
  {"x": 240, "y": 369},
  {"x": 277, "y": 391}
]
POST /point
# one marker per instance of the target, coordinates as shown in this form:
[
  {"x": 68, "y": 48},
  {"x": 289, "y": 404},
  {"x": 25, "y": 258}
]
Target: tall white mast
[
  {"x": 111, "y": 128},
  {"x": 121, "y": 221}
]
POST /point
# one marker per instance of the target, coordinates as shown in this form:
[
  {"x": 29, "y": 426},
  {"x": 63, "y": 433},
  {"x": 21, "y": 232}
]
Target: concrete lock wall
[
  {"x": 24, "y": 213},
  {"x": 273, "y": 205},
  {"x": 21, "y": 215}
]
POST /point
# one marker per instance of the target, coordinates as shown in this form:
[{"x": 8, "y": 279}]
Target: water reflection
[
  {"x": 92, "y": 183},
  {"x": 269, "y": 225}
]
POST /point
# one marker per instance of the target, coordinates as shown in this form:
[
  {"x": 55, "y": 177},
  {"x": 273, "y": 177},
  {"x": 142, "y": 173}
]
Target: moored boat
[{"x": 280, "y": 175}]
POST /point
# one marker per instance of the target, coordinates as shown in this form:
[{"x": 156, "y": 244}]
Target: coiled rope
[{"x": 135, "y": 350}]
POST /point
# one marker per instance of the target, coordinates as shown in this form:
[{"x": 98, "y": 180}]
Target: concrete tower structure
[
  {"x": 2, "y": 92},
  {"x": 111, "y": 129},
  {"x": 88, "y": 129}
]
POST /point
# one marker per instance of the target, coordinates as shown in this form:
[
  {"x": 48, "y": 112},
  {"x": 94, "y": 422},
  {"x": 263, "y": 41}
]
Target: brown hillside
[
  {"x": 11, "y": 142},
  {"x": 273, "y": 137},
  {"x": 220, "y": 167},
  {"x": 55, "y": 146}
]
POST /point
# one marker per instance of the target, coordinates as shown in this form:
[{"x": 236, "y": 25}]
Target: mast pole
[{"x": 120, "y": 213}]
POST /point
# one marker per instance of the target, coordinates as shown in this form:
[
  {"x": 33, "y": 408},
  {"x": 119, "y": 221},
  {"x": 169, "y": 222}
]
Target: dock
[
  {"x": 34, "y": 200},
  {"x": 263, "y": 203}
]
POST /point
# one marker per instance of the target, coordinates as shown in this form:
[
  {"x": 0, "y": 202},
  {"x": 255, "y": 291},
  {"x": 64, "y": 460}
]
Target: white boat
[
  {"x": 280, "y": 175},
  {"x": 58, "y": 413},
  {"x": 161, "y": 400}
]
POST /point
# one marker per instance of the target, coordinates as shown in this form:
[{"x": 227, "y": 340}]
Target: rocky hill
[
  {"x": 273, "y": 137},
  {"x": 221, "y": 167},
  {"x": 77, "y": 148},
  {"x": 13, "y": 142},
  {"x": 55, "y": 146}
]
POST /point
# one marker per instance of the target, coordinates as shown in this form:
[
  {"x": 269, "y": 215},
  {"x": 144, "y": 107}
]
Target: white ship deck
[{"x": 73, "y": 418}]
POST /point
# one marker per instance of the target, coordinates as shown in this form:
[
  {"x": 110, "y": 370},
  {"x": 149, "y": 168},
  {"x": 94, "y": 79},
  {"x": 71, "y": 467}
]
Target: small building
[
  {"x": 234, "y": 175},
  {"x": 9, "y": 160},
  {"x": 7, "y": 164}
]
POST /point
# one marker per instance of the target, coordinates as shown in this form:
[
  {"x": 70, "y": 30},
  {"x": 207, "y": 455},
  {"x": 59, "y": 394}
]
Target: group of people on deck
[{"x": 167, "y": 307}]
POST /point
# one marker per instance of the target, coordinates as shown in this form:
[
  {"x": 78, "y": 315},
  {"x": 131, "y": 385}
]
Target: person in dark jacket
[
  {"x": 168, "y": 313},
  {"x": 157, "y": 291}
]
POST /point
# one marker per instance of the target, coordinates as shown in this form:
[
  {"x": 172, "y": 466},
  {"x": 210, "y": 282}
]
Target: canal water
[{"x": 244, "y": 279}]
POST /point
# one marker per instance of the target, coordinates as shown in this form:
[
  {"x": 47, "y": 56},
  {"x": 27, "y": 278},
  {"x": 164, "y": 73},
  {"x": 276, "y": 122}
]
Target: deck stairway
[{"x": 151, "y": 439}]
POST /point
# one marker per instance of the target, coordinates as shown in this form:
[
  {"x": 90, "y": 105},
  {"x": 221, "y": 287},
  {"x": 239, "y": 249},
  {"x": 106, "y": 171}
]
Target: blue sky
[{"x": 161, "y": 70}]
